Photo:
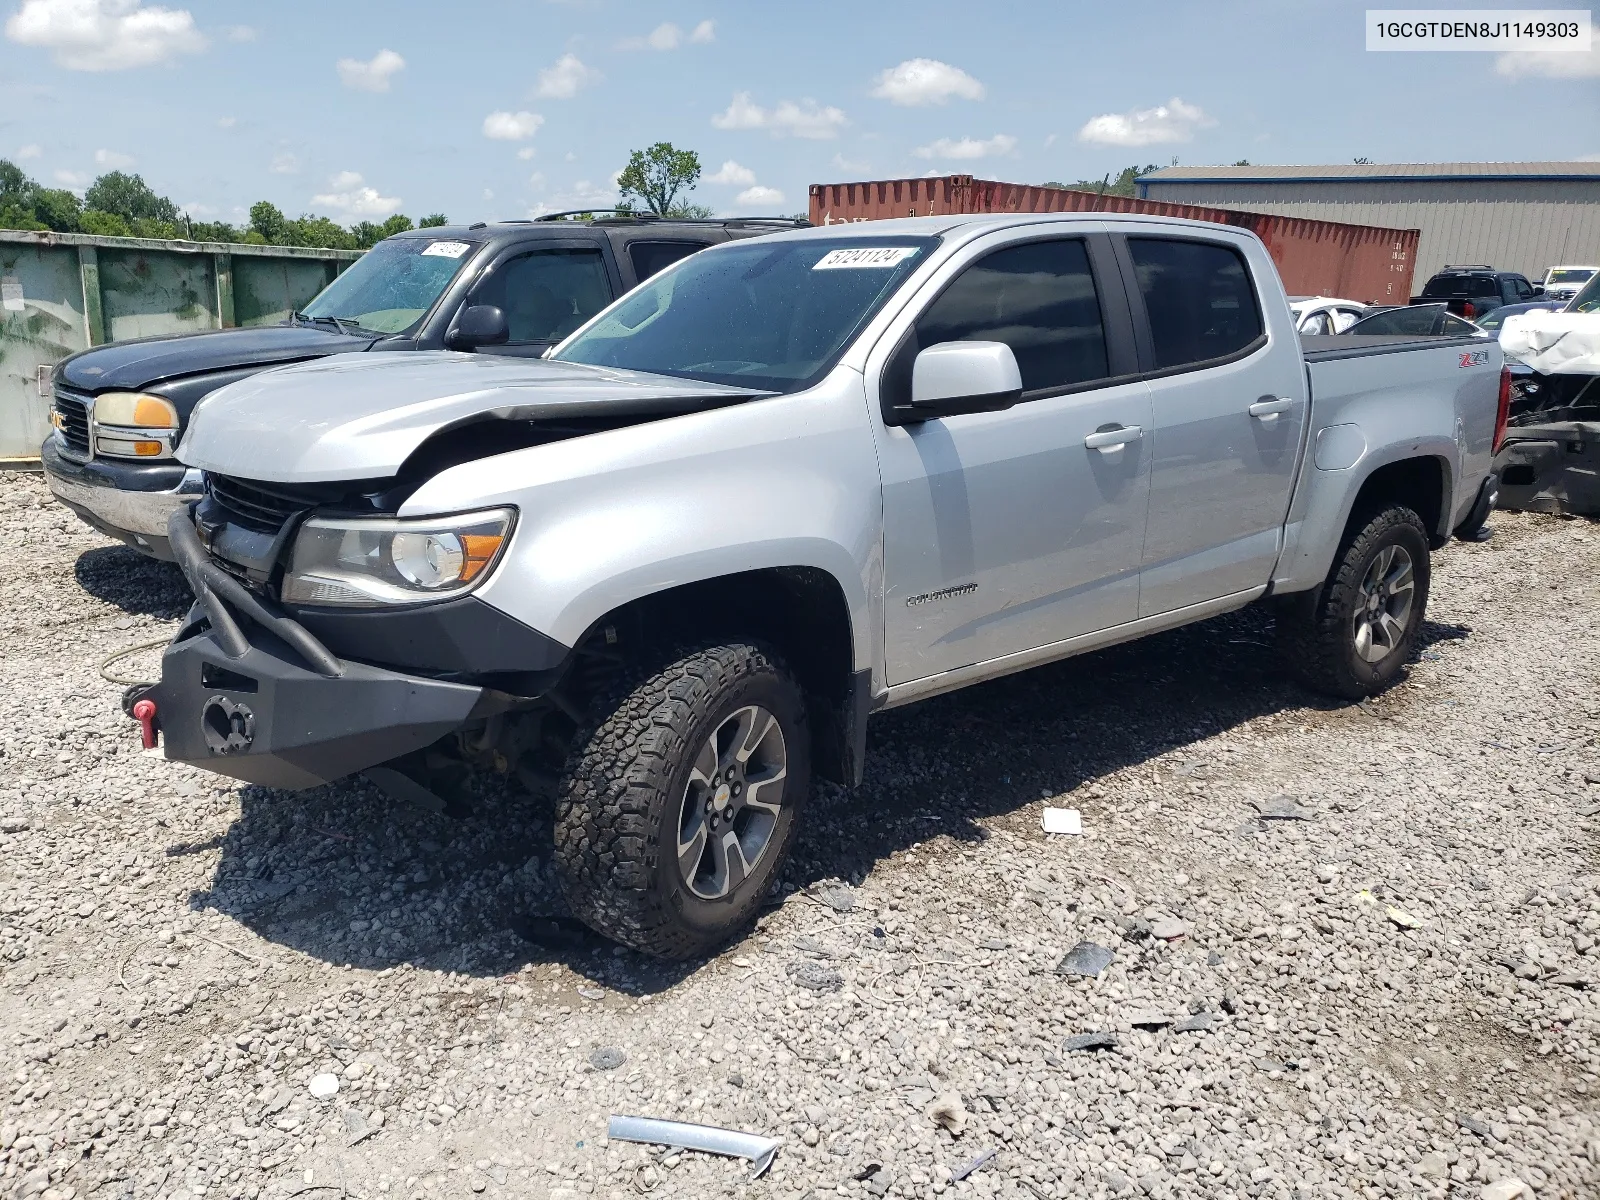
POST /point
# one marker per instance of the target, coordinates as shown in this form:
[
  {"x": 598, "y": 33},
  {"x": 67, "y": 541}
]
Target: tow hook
[{"x": 144, "y": 712}]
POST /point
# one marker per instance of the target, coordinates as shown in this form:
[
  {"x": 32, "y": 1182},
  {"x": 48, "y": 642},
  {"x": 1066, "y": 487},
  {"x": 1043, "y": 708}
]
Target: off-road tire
[
  {"x": 617, "y": 803},
  {"x": 1316, "y": 630}
]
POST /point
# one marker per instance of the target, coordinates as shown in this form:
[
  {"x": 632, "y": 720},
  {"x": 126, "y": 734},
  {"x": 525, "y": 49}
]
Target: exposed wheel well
[
  {"x": 1417, "y": 483},
  {"x": 800, "y": 612}
]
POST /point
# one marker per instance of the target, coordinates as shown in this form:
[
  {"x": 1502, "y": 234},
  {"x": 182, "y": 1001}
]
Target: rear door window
[
  {"x": 650, "y": 257},
  {"x": 1198, "y": 297},
  {"x": 546, "y": 294},
  {"x": 1038, "y": 298}
]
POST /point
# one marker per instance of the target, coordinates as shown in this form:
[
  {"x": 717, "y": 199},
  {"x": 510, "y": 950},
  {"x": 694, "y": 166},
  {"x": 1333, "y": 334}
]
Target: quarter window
[
  {"x": 548, "y": 293},
  {"x": 1198, "y": 297},
  {"x": 1038, "y": 298},
  {"x": 650, "y": 257}
]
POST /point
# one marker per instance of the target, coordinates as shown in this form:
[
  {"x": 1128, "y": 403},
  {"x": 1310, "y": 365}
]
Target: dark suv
[
  {"x": 1471, "y": 291},
  {"x": 513, "y": 287}
]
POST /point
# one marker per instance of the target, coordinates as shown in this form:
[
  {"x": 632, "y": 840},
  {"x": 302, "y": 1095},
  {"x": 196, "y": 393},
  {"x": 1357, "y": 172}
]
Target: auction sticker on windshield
[
  {"x": 447, "y": 249},
  {"x": 865, "y": 256}
]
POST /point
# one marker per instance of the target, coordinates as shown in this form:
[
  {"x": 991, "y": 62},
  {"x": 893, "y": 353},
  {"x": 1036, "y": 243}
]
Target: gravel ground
[{"x": 1348, "y": 945}]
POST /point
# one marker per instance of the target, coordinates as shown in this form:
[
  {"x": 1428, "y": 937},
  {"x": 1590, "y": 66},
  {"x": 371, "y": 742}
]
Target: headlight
[
  {"x": 362, "y": 563},
  {"x": 134, "y": 425}
]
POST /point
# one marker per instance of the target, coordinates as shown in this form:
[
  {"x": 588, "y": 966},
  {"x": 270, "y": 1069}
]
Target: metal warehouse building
[{"x": 1513, "y": 216}]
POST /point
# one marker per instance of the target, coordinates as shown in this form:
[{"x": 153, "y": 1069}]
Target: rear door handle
[
  {"x": 1270, "y": 406},
  {"x": 1107, "y": 440}
]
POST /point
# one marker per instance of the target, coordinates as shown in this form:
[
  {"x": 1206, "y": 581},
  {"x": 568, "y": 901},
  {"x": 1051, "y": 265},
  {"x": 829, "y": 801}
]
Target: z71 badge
[{"x": 1474, "y": 358}]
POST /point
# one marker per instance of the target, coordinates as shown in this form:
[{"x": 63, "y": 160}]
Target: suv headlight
[
  {"x": 364, "y": 563},
  {"x": 134, "y": 425}
]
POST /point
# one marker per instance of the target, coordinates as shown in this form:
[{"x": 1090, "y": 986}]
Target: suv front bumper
[{"x": 130, "y": 501}]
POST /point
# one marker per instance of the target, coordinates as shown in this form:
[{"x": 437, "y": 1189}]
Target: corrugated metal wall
[
  {"x": 1515, "y": 225},
  {"x": 60, "y": 293}
]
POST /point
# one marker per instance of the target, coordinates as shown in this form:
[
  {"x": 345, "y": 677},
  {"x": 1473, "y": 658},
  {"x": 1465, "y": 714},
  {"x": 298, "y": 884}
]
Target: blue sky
[{"x": 357, "y": 109}]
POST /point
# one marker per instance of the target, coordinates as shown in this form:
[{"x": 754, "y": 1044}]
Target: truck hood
[
  {"x": 1554, "y": 343},
  {"x": 362, "y": 416},
  {"x": 124, "y": 366}
]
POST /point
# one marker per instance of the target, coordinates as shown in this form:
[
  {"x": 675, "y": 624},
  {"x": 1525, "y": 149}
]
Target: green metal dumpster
[{"x": 63, "y": 292}]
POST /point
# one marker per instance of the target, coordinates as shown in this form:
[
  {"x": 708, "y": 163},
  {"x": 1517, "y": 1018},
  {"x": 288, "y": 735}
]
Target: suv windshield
[
  {"x": 769, "y": 315},
  {"x": 1461, "y": 285},
  {"x": 1587, "y": 300},
  {"x": 1570, "y": 275},
  {"x": 389, "y": 287}
]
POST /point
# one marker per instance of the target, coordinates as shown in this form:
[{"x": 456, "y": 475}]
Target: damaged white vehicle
[{"x": 789, "y": 482}]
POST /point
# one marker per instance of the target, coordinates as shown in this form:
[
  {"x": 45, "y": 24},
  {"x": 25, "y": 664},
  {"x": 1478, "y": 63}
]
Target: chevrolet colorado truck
[
  {"x": 513, "y": 288},
  {"x": 674, "y": 568}
]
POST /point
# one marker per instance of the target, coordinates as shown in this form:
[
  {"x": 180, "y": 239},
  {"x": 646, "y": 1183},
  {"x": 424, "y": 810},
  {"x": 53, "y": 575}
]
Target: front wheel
[
  {"x": 1352, "y": 637},
  {"x": 677, "y": 807}
]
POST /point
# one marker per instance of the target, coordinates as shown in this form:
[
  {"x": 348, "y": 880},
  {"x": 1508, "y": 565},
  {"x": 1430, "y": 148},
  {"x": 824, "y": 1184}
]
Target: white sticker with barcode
[
  {"x": 11, "y": 293},
  {"x": 447, "y": 249},
  {"x": 864, "y": 256}
]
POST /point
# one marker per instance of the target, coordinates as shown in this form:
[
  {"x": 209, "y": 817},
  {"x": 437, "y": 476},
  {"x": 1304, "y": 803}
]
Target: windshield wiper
[{"x": 342, "y": 324}]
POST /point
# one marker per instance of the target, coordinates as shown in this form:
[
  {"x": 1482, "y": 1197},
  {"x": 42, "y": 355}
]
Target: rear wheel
[
  {"x": 1353, "y": 636},
  {"x": 677, "y": 807}
]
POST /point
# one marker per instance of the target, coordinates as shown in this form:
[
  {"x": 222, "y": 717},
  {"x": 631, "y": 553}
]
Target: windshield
[
  {"x": 1420, "y": 320},
  {"x": 769, "y": 315},
  {"x": 389, "y": 287},
  {"x": 1570, "y": 275},
  {"x": 1587, "y": 300}
]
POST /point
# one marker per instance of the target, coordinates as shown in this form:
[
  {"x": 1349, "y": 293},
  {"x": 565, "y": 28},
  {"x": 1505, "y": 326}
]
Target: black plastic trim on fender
[{"x": 465, "y": 636}]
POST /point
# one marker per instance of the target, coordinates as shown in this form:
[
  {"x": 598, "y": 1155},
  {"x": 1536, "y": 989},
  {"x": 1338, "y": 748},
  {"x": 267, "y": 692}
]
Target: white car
[
  {"x": 1325, "y": 314},
  {"x": 1562, "y": 283}
]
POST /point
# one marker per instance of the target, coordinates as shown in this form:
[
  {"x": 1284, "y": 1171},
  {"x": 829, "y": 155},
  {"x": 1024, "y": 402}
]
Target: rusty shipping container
[{"x": 1314, "y": 258}]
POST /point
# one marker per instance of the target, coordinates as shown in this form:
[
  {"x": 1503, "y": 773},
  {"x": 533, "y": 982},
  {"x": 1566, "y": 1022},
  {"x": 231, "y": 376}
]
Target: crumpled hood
[
  {"x": 1554, "y": 343},
  {"x": 145, "y": 361},
  {"x": 362, "y": 416}
]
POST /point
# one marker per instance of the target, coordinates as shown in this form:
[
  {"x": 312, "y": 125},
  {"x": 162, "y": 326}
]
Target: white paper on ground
[
  {"x": 1554, "y": 343},
  {"x": 1062, "y": 820}
]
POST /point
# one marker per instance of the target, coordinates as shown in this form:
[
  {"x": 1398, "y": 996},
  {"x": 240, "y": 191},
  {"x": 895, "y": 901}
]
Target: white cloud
[
  {"x": 920, "y": 81},
  {"x": 581, "y": 195},
  {"x": 113, "y": 160},
  {"x": 704, "y": 33},
  {"x": 564, "y": 79},
  {"x": 372, "y": 75},
  {"x": 71, "y": 179},
  {"x": 668, "y": 36},
  {"x": 511, "y": 126},
  {"x": 31, "y": 150},
  {"x": 536, "y": 179},
  {"x": 105, "y": 35},
  {"x": 850, "y": 164},
  {"x": 806, "y": 119},
  {"x": 284, "y": 164},
  {"x": 1049, "y": 141},
  {"x": 1173, "y": 121},
  {"x": 732, "y": 173},
  {"x": 227, "y": 122},
  {"x": 1549, "y": 64},
  {"x": 759, "y": 197},
  {"x": 526, "y": 153},
  {"x": 197, "y": 209},
  {"x": 352, "y": 197},
  {"x": 240, "y": 33},
  {"x": 998, "y": 146}
]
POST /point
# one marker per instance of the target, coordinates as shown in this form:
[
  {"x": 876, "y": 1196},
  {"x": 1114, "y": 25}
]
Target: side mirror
[
  {"x": 963, "y": 377},
  {"x": 480, "y": 325},
  {"x": 1538, "y": 289}
]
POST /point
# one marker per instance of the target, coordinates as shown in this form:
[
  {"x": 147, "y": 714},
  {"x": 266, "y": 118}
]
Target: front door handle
[
  {"x": 1270, "y": 406},
  {"x": 1107, "y": 440}
]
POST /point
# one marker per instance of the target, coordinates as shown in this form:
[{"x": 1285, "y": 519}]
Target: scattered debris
[
  {"x": 324, "y": 1087},
  {"x": 591, "y": 993},
  {"x": 1571, "y": 981},
  {"x": 994, "y": 944},
  {"x": 1149, "y": 1019},
  {"x": 13, "y": 824},
  {"x": 1168, "y": 929},
  {"x": 813, "y": 976},
  {"x": 1062, "y": 820},
  {"x": 976, "y": 1164},
  {"x": 1086, "y": 958},
  {"x": 1200, "y": 1022},
  {"x": 1282, "y": 808},
  {"x": 834, "y": 894},
  {"x": 1402, "y": 918},
  {"x": 1505, "y": 1189},
  {"x": 607, "y": 1058},
  {"x": 947, "y": 1111},
  {"x": 708, "y": 1139},
  {"x": 1089, "y": 1041},
  {"x": 1473, "y": 1125}
]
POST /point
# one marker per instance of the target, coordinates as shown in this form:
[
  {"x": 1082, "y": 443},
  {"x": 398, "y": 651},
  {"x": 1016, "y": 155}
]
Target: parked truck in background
[
  {"x": 514, "y": 288},
  {"x": 783, "y": 485}
]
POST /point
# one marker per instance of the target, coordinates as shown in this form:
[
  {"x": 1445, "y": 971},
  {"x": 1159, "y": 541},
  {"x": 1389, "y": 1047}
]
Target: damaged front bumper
[{"x": 277, "y": 708}]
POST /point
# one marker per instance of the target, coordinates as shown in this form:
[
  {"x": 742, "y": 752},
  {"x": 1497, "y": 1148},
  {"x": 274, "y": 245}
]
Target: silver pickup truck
[{"x": 673, "y": 568}]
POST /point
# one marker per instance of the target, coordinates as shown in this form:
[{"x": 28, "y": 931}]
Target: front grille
[
  {"x": 263, "y": 507},
  {"x": 74, "y": 412}
]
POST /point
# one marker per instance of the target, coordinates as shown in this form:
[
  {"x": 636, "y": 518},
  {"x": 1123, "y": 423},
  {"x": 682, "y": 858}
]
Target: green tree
[
  {"x": 105, "y": 224},
  {"x": 399, "y": 223},
  {"x": 129, "y": 197},
  {"x": 58, "y": 209},
  {"x": 432, "y": 221},
  {"x": 267, "y": 222},
  {"x": 658, "y": 176},
  {"x": 1124, "y": 183}
]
